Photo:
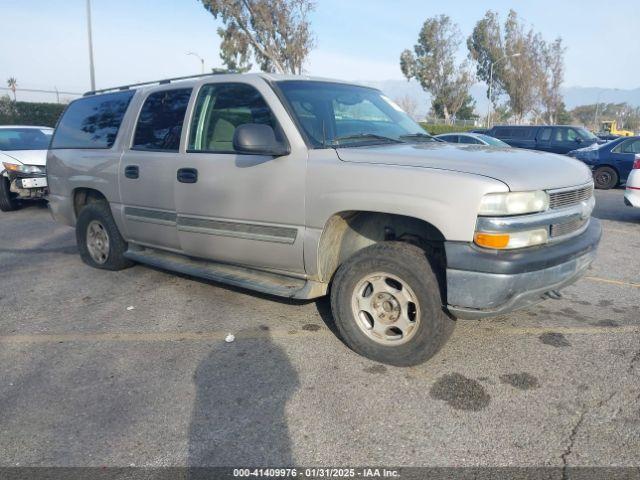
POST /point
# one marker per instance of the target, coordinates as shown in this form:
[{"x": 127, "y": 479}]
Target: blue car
[{"x": 612, "y": 162}]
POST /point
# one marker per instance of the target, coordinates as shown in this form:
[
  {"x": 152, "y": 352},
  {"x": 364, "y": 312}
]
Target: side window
[
  {"x": 160, "y": 122},
  {"x": 572, "y": 135},
  {"x": 450, "y": 138},
  {"x": 92, "y": 122},
  {"x": 558, "y": 135},
  {"x": 545, "y": 135},
  {"x": 629, "y": 146},
  {"x": 503, "y": 132},
  {"x": 220, "y": 109},
  {"x": 469, "y": 140}
]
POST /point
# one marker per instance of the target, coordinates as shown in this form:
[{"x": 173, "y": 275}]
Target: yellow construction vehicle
[{"x": 611, "y": 127}]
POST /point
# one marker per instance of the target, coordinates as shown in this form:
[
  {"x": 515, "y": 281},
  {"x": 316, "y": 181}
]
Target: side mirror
[
  {"x": 578, "y": 140},
  {"x": 258, "y": 139}
]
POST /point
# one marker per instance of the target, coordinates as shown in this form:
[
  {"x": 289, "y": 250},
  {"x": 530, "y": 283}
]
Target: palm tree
[{"x": 12, "y": 83}]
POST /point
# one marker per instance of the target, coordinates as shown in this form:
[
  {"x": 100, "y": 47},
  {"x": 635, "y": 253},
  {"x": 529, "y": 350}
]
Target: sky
[{"x": 45, "y": 42}]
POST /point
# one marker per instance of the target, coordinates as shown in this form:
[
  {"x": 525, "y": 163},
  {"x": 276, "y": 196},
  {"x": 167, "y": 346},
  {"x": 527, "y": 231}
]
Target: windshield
[
  {"x": 24, "y": 139},
  {"x": 492, "y": 141},
  {"x": 333, "y": 114},
  {"x": 586, "y": 134}
]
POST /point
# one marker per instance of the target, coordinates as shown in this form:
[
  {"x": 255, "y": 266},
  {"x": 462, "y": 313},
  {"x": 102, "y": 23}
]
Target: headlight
[
  {"x": 506, "y": 241},
  {"x": 13, "y": 167},
  {"x": 513, "y": 203}
]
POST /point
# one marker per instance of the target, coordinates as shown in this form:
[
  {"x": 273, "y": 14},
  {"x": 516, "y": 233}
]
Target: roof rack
[{"x": 159, "y": 82}]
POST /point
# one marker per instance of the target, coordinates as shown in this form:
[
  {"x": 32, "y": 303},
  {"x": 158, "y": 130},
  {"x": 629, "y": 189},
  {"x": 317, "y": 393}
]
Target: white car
[
  {"x": 632, "y": 193},
  {"x": 472, "y": 139},
  {"x": 23, "y": 158}
]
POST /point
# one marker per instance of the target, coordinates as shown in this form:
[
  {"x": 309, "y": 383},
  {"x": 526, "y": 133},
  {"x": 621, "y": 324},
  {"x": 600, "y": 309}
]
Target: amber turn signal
[{"x": 492, "y": 240}]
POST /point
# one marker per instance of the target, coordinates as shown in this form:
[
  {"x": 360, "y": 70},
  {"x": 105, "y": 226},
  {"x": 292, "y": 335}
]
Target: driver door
[{"x": 238, "y": 208}]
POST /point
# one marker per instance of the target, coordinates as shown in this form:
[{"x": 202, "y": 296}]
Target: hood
[
  {"x": 26, "y": 157},
  {"x": 520, "y": 169}
]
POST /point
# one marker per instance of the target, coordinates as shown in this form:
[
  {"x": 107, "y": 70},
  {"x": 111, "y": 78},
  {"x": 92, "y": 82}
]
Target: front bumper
[
  {"x": 482, "y": 283},
  {"x": 27, "y": 185}
]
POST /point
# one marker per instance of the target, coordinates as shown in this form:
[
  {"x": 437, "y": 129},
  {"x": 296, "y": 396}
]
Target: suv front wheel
[
  {"x": 387, "y": 305},
  {"x": 99, "y": 240}
]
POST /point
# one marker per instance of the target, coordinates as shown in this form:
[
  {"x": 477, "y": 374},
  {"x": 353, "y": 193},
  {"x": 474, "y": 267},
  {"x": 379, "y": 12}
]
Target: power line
[{"x": 36, "y": 90}]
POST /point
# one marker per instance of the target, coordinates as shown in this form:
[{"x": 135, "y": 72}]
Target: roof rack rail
[{"x": 159, "y": 82}]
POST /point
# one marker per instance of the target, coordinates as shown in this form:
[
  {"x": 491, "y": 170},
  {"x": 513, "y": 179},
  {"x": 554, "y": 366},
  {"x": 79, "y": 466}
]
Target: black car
[{"x": 548, "y": 138}]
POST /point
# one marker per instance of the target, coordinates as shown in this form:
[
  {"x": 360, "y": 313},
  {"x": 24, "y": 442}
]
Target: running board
[{"x": 258, "y": 280}]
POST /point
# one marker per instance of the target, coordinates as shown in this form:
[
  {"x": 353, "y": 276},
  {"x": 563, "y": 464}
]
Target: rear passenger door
[{"x": 148, "y": 169}]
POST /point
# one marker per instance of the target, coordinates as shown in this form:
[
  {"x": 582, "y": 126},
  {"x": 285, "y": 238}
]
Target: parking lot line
[
  {"x": 613, "y": 282},
  {"x": 273, "y": 333}
]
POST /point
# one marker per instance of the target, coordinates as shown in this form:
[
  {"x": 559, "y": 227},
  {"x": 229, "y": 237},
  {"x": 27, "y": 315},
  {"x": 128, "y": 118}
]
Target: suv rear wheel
[
  {"x": 8, "y": 200},
  {"x": 99, "y": 240},
  {"x": 387, "y": 306},
  {"x": 605, "y": 178}
]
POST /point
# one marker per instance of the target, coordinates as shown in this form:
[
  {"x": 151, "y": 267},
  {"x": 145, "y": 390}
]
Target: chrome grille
[
  {"x": 568, "y": 198},
  {"x": 561, "y": 229}
]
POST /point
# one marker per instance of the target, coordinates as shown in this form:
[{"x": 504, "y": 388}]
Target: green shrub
[
  {"x": 437, "y": 129},
  {"x": 29, "y": 113}
]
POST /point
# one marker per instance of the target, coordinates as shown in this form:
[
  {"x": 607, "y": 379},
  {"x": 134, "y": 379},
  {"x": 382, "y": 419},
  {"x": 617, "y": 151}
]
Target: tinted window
[
  {"x": 220, "y": 109},
  {"x": 24, "y": 139},
  {"x": 545, "y": 135},
  {"x": 470, "y": 140},
  {"x": 92, "y": 122},
  {"x": 449, "y": 138},
  {"x": 628, "y": 146},
  {"x": 502, "y": 132},
  {"x": 160, "y": 121},
  {"x": 522, "y": 132}
]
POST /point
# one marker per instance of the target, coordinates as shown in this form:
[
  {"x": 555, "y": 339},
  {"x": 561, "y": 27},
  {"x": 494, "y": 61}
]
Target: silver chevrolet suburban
[{"x": 298, "y": 187}]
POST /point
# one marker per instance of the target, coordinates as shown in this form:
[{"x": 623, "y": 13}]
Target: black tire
[
  {"x": 8, "y": 200},
  {"x": 605, "y": 178},
  {"x": 101, "y": 213},
  {"x": 410, "y": 264}
]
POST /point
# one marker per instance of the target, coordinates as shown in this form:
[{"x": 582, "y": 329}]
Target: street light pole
[
  {"x": 199, "y": 58},
  {"x": 489, "y": 108},
  {"x": 91, "y": 68}
]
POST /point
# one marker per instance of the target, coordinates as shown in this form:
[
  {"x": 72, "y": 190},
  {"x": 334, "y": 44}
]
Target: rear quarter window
[{"x": 92, "y": 122}]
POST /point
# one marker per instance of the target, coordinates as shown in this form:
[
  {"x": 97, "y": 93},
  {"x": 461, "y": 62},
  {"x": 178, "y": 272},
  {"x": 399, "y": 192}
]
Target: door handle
[
  {"x": 131, "y": 171},
  {"x": 187, "y": 175}
]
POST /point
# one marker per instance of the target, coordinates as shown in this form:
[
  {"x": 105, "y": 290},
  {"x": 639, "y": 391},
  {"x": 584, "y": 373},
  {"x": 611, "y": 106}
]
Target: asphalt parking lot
[{"x": 131, "y": 368}]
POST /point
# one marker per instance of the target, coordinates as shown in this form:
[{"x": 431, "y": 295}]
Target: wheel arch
[
  {"x": 82, "y": 196},
  {"x": 348, "y": 232}
]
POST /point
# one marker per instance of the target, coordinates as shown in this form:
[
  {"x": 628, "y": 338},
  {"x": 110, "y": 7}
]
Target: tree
[
  {"x": 432, "y": 64},
  {"x": 409, "y": 104},
  {"x": 551, "y": 79},
  {"x": 275, "y": 33},
  {"x": 466, "y": 111},
  {"x": 524, "y": 67},
  {"x": 12, "y": 83}
]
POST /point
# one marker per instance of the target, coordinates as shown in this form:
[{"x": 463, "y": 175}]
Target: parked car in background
[
  {"x": 632, "y": 192},
  {"x": 479, "y": 130},
  {"x": 471, "y": 138},
  {"x": 300, "y": 187},
  {"x": 23, "y": 155},
  {"x": 611, "y": 162},
  {"x": 548, "y": 138}
]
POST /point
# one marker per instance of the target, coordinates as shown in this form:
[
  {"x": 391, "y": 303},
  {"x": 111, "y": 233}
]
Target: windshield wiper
[
  {"x": 426, "y": 136},
  {"x": 336, "y": 142}
]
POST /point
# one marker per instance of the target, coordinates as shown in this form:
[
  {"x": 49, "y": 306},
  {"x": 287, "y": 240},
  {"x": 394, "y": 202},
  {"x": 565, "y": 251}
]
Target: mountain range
[{"x": 573, "y": 96}]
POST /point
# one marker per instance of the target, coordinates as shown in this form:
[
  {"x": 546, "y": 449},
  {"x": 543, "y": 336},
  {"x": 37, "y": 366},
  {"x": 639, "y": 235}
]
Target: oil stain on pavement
[
  {"x": 554, "y": 339},
  {"x": 521, "y": 381},
  {"x": 460, "y": 392}
]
